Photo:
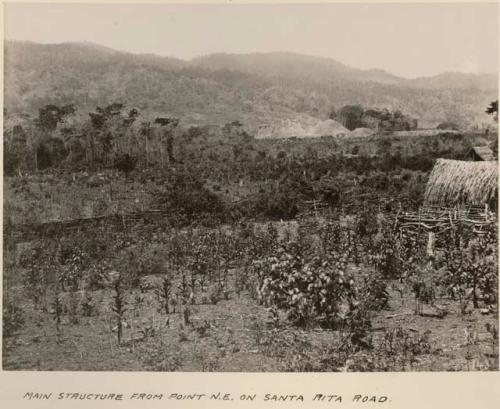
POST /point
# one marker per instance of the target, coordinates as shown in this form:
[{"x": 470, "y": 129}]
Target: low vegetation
[{"x": 138, "y": 245}]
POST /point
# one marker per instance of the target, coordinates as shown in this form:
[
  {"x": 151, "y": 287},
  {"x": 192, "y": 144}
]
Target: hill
[
  {"x": 292, "y": 66},
  {"x": 457, "y": 80},
  {"x": 256, "y": 89}
]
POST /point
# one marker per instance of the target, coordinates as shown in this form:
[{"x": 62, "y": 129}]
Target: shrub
[
  {"x": 125, "y": 163},
  {"x": 306, "y": 288},
  {"x": 119, "y": 307},
  {"x": 373, "y": 292},
  {"x": 164, "y": 292},
  {"x": 96, "y": 275},
  {"x": 88, "y": 306},
  {"x": 472, "y": 265},
  {"x": 74, "y": 262},
  {"x": 384, "y": 255},
  {"x": 423, "y": 285}
]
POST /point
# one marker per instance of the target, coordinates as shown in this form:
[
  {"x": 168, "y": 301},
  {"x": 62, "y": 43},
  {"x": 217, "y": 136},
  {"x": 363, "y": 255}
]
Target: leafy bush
[
  {"x": 472, "y": 265},
  {"x": 96, "y": 275},
  {"x": 73, "y": 263},
  {"x": 384, "y": 255},
  {"x": 306, "y": 288},
  {"x": 424, "y": 284},
  {"x": 373, "y": 292}
]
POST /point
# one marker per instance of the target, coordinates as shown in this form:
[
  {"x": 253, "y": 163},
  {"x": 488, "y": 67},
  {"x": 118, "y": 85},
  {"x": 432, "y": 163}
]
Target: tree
[
  {"x": 493, "y": 110},
  {"x": 14, "y": 147},
  {"x": 101, "y": 138},
  {"x": 102, "y": 115},
  {"x": 49, "y": 117},
  {"x": 125, "y": 164},
  {"x": 52, "y": 115},
  {"x": 168, "y": 125},
  {"x": 131, "y": 117},
  {"x": 50, "y": 153},
  {"x": 350, "y": 116}
]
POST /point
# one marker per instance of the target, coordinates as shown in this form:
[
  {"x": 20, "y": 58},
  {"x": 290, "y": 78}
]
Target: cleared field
[{"x": 217, "y": 314}]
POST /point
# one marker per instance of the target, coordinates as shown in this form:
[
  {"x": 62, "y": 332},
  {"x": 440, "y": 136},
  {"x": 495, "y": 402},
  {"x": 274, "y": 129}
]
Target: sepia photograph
[{"x": 238, "y": 187}]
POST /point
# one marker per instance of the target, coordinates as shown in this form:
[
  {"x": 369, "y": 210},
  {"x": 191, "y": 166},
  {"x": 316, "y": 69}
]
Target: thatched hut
[{"x": 455, "y": 183}]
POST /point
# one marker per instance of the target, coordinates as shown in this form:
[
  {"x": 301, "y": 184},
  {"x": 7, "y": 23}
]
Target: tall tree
[
  {"x": 168, "y": 125},
  {"x": 49, "y": 117},
  {"x": 100, "y": 139}
]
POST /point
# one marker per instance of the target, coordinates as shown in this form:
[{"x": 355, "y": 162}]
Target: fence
[
  {"x": 434, "y": 221},
  {"x": 120, "y": 221}
]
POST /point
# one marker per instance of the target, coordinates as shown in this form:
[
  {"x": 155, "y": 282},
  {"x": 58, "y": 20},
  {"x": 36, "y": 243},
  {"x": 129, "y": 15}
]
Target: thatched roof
[
  {"x": 454, "y": 182},
  {"x": 483, "y": 152}
]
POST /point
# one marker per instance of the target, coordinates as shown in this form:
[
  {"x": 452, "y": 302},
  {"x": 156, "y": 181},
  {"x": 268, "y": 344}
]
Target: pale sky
[{"x": 409, "y": 40}]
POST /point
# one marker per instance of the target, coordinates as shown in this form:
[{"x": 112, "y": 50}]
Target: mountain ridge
[
  {"x": 187, "y": 61},
  {"x": 255, "y": 88}
]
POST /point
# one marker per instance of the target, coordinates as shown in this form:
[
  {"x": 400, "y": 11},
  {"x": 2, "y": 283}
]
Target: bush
[
  {"x": 374, "y": 293},
  {"x": 96, "y": 276},
  {"x": 307, "y": 288},
  {"x": 472, "y": 265},
  {"x": 73, "y": 261},
  {"x": 125, "y": 163},
  {"x": 186, "y": 194}
]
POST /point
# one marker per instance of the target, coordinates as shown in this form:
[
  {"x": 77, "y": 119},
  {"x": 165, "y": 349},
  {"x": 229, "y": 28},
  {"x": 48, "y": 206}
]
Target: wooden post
[
  {"x": 419, "y": 226},
  {"x": 431, "y": 240}
]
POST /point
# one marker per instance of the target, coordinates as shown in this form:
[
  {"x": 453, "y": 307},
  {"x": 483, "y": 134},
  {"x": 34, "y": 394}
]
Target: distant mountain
[
  {"x": 260, "y": 90},
  {"x": 457, "y": 80},
  {"x": 292, "y": 66}
]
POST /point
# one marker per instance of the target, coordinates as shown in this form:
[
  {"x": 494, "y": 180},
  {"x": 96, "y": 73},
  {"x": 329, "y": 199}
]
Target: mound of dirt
[
  {"x": 299, "y": 126},
  {"x": 303, "y": 126},
  {"x": 330, "y": 128},
  {"x": 362, "y": 132}
]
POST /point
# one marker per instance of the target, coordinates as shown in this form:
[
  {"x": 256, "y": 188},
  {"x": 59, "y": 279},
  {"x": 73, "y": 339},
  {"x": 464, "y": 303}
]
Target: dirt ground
[{"x": 237, "y": 335}]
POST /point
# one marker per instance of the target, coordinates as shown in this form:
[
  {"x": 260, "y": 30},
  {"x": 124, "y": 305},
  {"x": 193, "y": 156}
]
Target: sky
[{"x": 409, "y": 40}]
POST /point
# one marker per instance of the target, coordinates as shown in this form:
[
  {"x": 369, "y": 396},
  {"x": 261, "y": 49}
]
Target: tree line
[{"x": 110, "y": 136}]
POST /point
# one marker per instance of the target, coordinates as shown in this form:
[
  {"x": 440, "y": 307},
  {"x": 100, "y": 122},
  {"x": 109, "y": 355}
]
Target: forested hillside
[{"x": 256, "y": 89}]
